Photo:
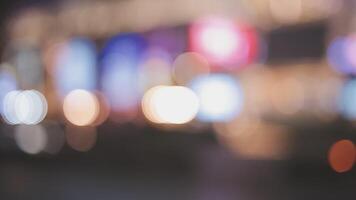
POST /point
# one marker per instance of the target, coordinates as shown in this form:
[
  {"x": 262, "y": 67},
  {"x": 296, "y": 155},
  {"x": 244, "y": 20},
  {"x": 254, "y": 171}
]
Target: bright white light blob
[
  {"x": 75, "y": 66},
  {"x": 170, "y": 104},
  {"x": 8, "y": 107},
  {"x": 31, "y": 139},
  {"x": 220, "y": 96},
  {"x": 30, "y": 107},
  {"x": 81, "y": 107},
  {"x": 27, "y": 107}
]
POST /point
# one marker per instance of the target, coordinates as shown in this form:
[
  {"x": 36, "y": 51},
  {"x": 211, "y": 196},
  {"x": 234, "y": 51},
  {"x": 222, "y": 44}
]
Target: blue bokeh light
[
  {"x": 75, "y": 66},
  {"x": 119, "y": 64},
  {"x": 220, "y": 96}
]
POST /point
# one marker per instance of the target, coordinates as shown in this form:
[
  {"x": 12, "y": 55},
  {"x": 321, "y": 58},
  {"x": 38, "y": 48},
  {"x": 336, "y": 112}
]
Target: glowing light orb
[
  {"x": 75, "y": 66},
  {"x": 220, "y": 97},
  {"x": 31, "y": 139},
  {"x": 341, "y": 53},
  {"x": 8, "y": 107},
  {"x": 342, "y": 156},
  {"x": 30, "y": 107},
  {"x": 81, "y": 107},
  {"x": 120, "y": 62},
  {"x": 170, "y": 104},
  {"x": 222, "y": 41},
  {"x": 27, "y": 107}
]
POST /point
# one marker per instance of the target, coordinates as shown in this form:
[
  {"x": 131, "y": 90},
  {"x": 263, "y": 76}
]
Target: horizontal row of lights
[{"x": 212, "y": 97}]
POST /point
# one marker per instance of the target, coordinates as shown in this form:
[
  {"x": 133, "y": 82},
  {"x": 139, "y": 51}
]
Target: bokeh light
[
  {"x": 31, "y": 139},
  {"x": 189, "y": 65},
  {"x": 30, "y": 107},
  {"x": 27, "y": 107},
  {"x": 81, "y": 107},
  {"x": 342, "y": 156},
  {"x": 220, "y": 96},
  {"x": 8, "y": 107},
  {"x": 104, "y": 110},
  {"x": 222, "y": 41},
  {"x": 7, "y": 84},
  {"x": 341, "y": 53},
  {"x": 120, "y": 60},
  {"x": 75, "y": 66},
  {"x": 170, "y": 104},
  {"x": 347, "y": 100}
]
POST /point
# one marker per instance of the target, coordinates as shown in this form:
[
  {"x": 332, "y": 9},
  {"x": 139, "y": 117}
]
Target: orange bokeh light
[{"x": 342, "y": 156}]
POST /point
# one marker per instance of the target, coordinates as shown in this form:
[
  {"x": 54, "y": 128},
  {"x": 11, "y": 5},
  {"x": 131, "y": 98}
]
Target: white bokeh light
[
  {"x": 170, "y": 104},
  {"x": 8, "y": 107},
  {"x": 220, "y": 97},
  {"x": 24, "y": 107},
  {"x": 30, "y": 107}
]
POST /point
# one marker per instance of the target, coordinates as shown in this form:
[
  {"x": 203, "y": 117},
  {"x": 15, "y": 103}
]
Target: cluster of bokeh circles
[{"x": 169, "y": 76}]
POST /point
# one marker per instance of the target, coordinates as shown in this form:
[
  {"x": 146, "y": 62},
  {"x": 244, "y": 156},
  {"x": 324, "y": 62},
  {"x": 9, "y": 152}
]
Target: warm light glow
[
  {"x": 342, "y": 156},
  {"x": 155, "y": 70},
  {"x": 287, "y": 95},
  {"x": 170, "y": 104},
  {"x": 81, "y": 107},
  {"x": 31, "y": 139},
  {"x": 341, "y": 53},
  {"x": 220, "y": 97}
]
